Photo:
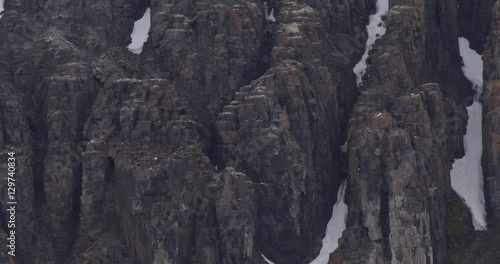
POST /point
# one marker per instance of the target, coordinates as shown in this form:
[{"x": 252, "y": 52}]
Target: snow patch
[
  {"x": 140, "y": 32},
  {"x": 473, "y": 63},
  {"x": 269, "y": 17},
  {"x": 344, "y": 147},
  {"x": 335, "y": 227},
  {"x": 466, "y": 173},
  {"x": 1, "y": 8},
  {"x": 266, "y": 259},
  {"x": 376, "y": 29}
]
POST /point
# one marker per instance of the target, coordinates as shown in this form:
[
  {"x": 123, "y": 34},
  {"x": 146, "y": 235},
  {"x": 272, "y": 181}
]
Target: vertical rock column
[
  {"x": 67, "y": 101},
  {"x": 491, "y": 116},
  {"x": 399, "y": 152}
]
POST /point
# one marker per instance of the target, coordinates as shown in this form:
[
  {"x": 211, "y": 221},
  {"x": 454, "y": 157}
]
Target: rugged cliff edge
[{"x": 221, "y": 141}]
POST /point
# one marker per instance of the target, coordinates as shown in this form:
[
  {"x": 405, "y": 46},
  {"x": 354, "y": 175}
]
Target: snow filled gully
[
  {"x": 466, "y": 173},
  {"x": 376, "y": 30},
  {"x": 337, "y": 223},
  {"x": 140, "y": 32},
  {"x": 334, "y": 229}
]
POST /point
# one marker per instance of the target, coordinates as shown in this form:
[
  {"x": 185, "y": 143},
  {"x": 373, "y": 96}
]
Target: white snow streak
[
  {"x": 335, "y": 227},
  {"x": 1, "y": 8},
  {"x": 467, "y": 174},
  {"x": 473, "y": 63},
  {"x": 266, "y": 259},
  {"x": 344, "y": 147},
  {"x": 375, "y": 29},
  {"x": 269, "y": 17},
  {"x": 140, "y": 32}
]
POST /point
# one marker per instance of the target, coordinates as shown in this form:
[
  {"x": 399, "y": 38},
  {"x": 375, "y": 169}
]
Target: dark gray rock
[{"x": 221, "y": 140}]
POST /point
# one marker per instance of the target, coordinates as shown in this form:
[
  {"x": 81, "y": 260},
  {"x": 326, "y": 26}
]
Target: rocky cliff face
[
  {"x": 221, "y": 141},
  {"x": 400, "y": 142},
  {"x": 491, "y": 132}
]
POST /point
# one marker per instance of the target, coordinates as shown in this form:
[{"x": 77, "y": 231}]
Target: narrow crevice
[
  {"x": 75, "y": 212},
  {"x": 220, "y": 247},
  {"x": 213, "y": 151},
  {"x": 488, "y": 187},
  {"x": 259, "y": 65},
  {"x": 109, "y": 175},
  {"x": 384, "y": 218},
  {"x": 109, "y": 192},
  {"x": 84, "y": 106}
]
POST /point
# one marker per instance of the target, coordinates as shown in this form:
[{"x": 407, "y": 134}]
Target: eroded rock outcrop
[
  {"x": 219, "y": 142},
  {"x": 401, "y": 142}
]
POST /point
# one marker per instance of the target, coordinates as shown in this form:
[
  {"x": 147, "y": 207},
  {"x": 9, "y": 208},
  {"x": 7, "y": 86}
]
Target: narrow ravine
[
  {"x": 376, "y": 30},
  {"x": 467, "y": 174},
  {"x": 335, "y": 227},
  {"x": 337, "y": 224}
]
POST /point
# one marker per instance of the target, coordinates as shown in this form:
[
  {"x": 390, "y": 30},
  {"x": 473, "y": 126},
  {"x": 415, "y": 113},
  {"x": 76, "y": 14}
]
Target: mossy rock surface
[
  {"x": 459, "y": 219},
  {"x": 459, "y": 229}
]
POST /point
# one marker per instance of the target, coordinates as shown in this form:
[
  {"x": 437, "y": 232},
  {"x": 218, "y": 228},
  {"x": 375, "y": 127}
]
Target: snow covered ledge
[
  {"x": 466, "y": 173},
  {"x": 140, "y": 32}
]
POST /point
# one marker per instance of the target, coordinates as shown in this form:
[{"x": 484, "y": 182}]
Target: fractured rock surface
[{"x": 221, "y": 141}]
